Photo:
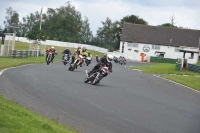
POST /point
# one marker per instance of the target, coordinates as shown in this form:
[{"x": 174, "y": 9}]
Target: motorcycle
[
  {"x": 122, "y": 61},
  {"x": 96, "y": 76},
  {"x": 88, "y": 60},
  {"x": 66, "y": 59},
  {"x": 76, "y": 63},
  {"x": 49, "y": 58},
  {"x": 115, "y": 59},
  {"x": 97, "y": 59}
]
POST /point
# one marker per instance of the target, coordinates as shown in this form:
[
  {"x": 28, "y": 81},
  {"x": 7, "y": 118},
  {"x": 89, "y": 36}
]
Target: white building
[{"x": 159, "y": 41}]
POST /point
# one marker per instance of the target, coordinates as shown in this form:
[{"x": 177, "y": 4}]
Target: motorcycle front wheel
[
  {"x": 95, "y": 81},
  {"x": 86, "y": 80}
]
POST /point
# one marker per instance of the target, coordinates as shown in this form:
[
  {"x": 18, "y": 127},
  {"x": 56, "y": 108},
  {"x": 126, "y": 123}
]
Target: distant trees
[
  {"x": 66, "y": 24},
  {"x": 110, "y": 33}
]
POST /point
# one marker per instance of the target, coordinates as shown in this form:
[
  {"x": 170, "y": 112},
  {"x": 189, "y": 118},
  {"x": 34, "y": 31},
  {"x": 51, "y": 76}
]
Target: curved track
[{"x": 125, "y": 101}]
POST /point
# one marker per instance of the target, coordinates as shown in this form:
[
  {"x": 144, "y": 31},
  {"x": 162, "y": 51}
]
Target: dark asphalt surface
[{"x": 126, "y": 101}]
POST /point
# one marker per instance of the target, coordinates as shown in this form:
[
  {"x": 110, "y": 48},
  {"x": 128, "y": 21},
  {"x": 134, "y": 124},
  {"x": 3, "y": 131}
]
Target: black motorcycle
[
  {"x": 66, "y": 59},
  {"x": 115, "y": 59},
  {"x": 96, "y": 76}
]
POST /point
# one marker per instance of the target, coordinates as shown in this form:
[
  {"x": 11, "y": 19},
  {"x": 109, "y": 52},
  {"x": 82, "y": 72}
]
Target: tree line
[{"x": 67, "y": 24}]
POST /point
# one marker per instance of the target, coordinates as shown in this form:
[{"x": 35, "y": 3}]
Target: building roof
[{"x": 158, "y": 35}]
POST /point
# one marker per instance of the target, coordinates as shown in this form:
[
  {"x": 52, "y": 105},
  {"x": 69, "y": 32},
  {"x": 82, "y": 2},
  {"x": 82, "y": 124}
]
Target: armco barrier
[
  {"x": 193, "y": 67},
  {"x": 162, "y": 60}
]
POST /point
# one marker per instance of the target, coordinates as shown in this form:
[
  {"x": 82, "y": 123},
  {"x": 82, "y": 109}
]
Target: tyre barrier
[{"x": 23, "y": 53}]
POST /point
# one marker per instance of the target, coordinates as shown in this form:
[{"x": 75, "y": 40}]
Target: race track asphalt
[{"x": 125, "y": 101}]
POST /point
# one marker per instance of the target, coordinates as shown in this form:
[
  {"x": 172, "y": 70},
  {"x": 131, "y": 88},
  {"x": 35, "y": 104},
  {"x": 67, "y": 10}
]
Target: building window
[
  {"x": 176, "y": 49},
  {"x": 157, "y": 47},
  {"x": 132, "y": 45},
  {"x": 135, "y": 45},
  {"x": 129, "y": 44}
]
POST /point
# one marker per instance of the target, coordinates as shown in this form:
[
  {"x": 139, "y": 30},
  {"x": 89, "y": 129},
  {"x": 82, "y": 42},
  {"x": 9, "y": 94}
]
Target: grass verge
[
  {"x": 164, "y": 69},
  {"x": 6, "y": 62},
  {"x": 15, "y": 119}
]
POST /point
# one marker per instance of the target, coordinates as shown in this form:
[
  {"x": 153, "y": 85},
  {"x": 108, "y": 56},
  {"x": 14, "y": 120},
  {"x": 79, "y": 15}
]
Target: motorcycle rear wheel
[{"x": 70, "y": 68}]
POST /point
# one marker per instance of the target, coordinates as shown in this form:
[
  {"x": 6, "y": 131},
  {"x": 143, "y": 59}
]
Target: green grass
[
  {"x": 190, "y": 81},
  {"x": 6, "y": 62},
  {"x": 15, "y": 119},
  {"x": 164, "y": 69}
]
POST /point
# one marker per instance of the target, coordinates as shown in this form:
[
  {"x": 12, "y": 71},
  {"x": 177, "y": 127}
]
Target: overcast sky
[{"x": 155, "y": 12}]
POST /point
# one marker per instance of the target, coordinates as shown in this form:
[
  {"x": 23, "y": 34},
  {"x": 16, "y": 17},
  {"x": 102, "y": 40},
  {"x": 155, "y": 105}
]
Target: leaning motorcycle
[
  {"x": 49, "y": 58},
  {"x": 122, "y": 61},
  {"x": 66, "y": 59},
  {"x": 115, "y": 59},
  {"x": 76, "y": 63},
  {"x": 88, "y": 60},
  {"x": 96, "y": 76}
]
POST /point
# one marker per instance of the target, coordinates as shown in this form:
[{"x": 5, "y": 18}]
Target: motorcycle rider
[
  {"x": 89, "y": 55},
  {"x": 76, "y": 53},
  {"x": 66, "y": 51},
  {"x": 84, "y": 54},
  {"x": 104, "y": 61},
  {"x": 50, "y": 49},
  {"x": 97, "y": 59}
]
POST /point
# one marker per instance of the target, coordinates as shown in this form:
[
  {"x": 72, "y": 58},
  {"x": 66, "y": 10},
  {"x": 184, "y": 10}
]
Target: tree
[
  {"x": 172, "y": 24},
  {"x": 35, "y": 33},
  {"x": 12, "y": 20},
  {"x": 133, "y": 19},
  {"x": 86, "y": 33},
  {"x": 127, "y": 19},
  {"x": 110, "y": 32}
]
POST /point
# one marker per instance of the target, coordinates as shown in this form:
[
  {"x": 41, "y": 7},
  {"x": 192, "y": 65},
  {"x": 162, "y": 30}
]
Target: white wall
[
  {"x": 64, "y": 44},
  {"x": 169, "y": 52}
]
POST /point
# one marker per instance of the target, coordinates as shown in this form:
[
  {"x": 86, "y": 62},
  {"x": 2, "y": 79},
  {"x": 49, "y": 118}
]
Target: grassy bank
[
  {"x": 59, "y": 50},
  {"x": 6, "y": 62},
  {"x": 164, "y": 69},
  {"x": 15, "y": 119}
]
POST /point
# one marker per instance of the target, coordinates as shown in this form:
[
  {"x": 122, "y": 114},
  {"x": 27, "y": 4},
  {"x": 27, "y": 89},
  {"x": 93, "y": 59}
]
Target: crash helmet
[
  {"x": 109, "y": 58},
  {"x": 84, "y": 49}
]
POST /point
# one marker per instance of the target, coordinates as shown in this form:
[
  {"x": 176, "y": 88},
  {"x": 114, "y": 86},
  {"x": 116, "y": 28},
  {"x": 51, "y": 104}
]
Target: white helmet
[{"x": 109, "y": 58}]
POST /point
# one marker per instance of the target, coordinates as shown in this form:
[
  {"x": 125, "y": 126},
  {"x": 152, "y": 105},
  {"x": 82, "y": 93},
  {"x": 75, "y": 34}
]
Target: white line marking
[
  {"x": 176, "y": 83},
  {"x": 1, "y": 72}
]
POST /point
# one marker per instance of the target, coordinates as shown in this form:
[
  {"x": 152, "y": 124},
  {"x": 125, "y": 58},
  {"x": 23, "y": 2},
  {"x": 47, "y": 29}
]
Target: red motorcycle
[{"x": 49, "y": 58}]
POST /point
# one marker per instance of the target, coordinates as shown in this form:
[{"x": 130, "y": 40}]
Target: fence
[
  {"x": 193, "y": 67},
  {"x": 178, "y": 67},
  {"x": 162, "y": 60},
  {"x": 23, "y": 53}
]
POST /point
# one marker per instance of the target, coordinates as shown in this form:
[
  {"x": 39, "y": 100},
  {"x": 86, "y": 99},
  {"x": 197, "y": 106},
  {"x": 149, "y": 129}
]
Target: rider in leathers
[
  {"x": 104, "y": 61},
  {"x": 66, "y": 51}
]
